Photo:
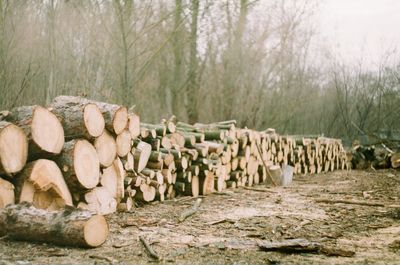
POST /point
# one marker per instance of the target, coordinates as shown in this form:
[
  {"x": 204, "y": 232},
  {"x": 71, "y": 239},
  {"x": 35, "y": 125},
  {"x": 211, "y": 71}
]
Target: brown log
[
  {"x": 71, "y": 227},
  {"x": 42, "y": 184},
  {"x": 80, "y": 165},
  {"x": 80, "y": 117},
  {"x": 115, "y": 116},
  {"x": 44, "y": 131},
  {"x": 106, "y": 148},
  {"x": 13, "y": 148},
  {"x": 7, "y": 195}
]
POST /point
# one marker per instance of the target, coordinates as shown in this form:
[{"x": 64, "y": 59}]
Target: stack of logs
[
  {"x": 378, "y": 156},
  {"x": 102, "y": 158}
]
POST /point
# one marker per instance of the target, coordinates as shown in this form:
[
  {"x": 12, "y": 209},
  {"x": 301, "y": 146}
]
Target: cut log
[
  {"x": 395, "y": 160},
  {"x": 80, "y": 165},
  {"x": 80, "y": 118},
  {"x": 6, "y": 193},
  {"x": 109, "y": 180},
  {"x": 141, "y": 154},
  {"x": 206, "y": 182},
  {"x": 146, "y": 193},
  {"x": 13, "y": 148},
  {"x": 71, "y": 227},
  {"x": 134, "y": 125},
  {"x": 42, "y": 184},
  {"x": 123, "y": 142},
  {"x": 106, "y": 148},
  {"x": 100, "y": 201},
  {"x": 121, "y": 174},
  {"x": 43, "y": 129}
]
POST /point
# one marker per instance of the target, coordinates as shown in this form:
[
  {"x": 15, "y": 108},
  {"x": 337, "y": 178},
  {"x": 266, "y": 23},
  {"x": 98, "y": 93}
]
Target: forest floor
[{"x": 228, "y": 226}]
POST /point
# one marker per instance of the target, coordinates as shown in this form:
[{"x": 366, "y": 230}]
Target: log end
[
  {"x": 94, "y": 120},
  {"x": 96, "y": 231},
  {"x": 13, "y": 148}
]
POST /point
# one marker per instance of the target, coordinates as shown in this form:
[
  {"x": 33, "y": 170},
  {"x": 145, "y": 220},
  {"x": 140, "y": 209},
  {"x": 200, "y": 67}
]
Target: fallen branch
[
  {"x": 258, "y": 189},
  {"x": 351, "y": 202},
  {"x": 149, "y": 249},
  {"x": 301, "y": 245},
  {"x": 189, "y": 212}
]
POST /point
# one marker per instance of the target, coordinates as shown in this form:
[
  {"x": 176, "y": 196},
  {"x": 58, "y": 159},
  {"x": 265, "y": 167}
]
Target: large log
[
  {"x": 43, "y": 129},
  {"x": 115, "y": 116},
  {"x": 13, "y": 148},
  {"x": 6, "y": 193},
  {"x": 80, "y": 118},
  {"x": 80, "y": 165},
  {"x": 72, "y": 227},
  {"x": 42, "y": 184}
]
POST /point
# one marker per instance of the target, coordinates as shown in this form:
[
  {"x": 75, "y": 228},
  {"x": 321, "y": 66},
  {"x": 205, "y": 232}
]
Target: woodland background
[{"x": 201, "y": 60}]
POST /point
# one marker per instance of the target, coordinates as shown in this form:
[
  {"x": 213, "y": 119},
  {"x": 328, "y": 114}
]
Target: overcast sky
[{"x": 359, "y": 28}]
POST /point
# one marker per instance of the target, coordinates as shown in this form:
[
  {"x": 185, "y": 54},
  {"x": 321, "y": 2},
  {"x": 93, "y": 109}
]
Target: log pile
[
  {"x": 374, "y": 156},
  {"x": 100, "y": 157}
]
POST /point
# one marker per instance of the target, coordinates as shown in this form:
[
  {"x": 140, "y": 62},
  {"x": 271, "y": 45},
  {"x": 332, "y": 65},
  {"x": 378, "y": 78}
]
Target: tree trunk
[{"x": 6, "y": 193}]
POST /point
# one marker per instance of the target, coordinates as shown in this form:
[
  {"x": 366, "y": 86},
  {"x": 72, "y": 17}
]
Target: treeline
[{"x": 201, "y": 60}]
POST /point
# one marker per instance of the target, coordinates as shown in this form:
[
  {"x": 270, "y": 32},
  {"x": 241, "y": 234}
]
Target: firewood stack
[{"x": 102, "y": 158}]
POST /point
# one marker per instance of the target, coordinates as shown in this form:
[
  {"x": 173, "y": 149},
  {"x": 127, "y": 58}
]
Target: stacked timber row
[{"x": 102, "y": 158}]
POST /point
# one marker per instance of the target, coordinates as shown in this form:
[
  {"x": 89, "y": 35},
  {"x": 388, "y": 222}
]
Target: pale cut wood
[
  {"x": 123, "y": 142},
  {"x": 70, "y": 227},
  {"x": 206, "y": 182},
  {"x": 146, "y": 193},
  {"x": 43, "y": 129},
  {"x": 134, "y": 125},
  {"x": 109, "y": 180},
  {"x": 42, "y": 184},
  {"x": 141, "y": 154},
  {"x": 80, "y": 165},
  {"x": 13, "y": 148},
  {"x": 100, "y": 201},
  {"x": 7, "y": 195},
  {"x": 121, "y": 174},
  {"x": 106, "y": 148}
]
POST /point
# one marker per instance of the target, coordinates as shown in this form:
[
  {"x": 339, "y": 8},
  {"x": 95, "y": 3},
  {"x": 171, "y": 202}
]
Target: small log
[
  {"x": 100, "y": 201},
  {"x": 141, "y": 154},
  {"x": 134, "y": 125},
  {"x": 146, "y": 193},
  {"x": 71, "y": 227},
  {"x": 13, "y": 148},
  {"x": 6, "y": 193},
  {"x": 123, "y": 142},
  {"x": 106, "y": 148}
]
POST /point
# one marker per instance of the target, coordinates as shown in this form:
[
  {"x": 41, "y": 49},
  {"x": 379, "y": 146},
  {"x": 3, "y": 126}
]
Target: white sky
[{"x": 359, "y": 29}]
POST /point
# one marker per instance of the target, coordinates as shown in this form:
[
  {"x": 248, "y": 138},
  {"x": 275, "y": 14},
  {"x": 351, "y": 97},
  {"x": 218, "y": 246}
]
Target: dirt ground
[{"x": 228, "y": 226}]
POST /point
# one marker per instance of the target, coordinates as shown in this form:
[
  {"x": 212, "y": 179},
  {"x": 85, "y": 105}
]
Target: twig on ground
[
  {"x": 149, "y": 249},
  {"x": 189, "y": 212}
]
